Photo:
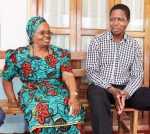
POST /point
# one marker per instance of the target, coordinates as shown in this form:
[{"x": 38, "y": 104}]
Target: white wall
[{"x": 13, "y": 17}]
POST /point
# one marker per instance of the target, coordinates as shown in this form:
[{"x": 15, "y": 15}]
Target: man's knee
[
  {"x": 96, "y": 92},
  {"x": 92, "y": 89},
  {"x": 140, "y": 99}
]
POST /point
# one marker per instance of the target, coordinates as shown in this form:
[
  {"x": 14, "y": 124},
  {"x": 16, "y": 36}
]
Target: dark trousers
[{"x": 100, "y": 101}]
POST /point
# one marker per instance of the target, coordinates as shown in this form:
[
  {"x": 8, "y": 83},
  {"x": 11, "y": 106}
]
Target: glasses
[
  {"x": 44, "y": 33},
  {"x": 119, "y": 19}
]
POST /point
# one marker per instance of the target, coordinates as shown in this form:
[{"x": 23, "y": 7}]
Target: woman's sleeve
[
  {"x": 66, "y": 62},
  {"x": 10, "y": 69}
]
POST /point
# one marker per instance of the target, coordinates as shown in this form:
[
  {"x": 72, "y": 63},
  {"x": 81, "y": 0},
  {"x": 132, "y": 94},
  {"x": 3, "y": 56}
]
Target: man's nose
[{"x": 116, "y": 21}]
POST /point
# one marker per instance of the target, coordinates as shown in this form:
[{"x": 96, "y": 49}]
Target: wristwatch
[{"x": 75, "y": 93}]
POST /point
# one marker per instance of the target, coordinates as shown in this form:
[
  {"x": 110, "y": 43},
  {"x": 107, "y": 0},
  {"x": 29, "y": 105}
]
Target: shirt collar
[{"x": 110, "y": 37}]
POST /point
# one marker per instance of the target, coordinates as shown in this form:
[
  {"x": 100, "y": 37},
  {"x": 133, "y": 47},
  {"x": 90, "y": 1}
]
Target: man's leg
[
  {"x": 140, "y": 99},
  {"x": 100, "y": 110}
]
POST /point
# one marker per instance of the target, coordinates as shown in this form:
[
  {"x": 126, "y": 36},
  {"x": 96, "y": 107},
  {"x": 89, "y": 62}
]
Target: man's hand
[
  {"x": 123, "y": 98},
  {"x": 120, "y": 97}
]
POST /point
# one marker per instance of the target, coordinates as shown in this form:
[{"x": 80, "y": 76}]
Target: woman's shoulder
[
  {"x": 59, "y": 49},
  {"x": 21, "y": 49},
  {"x": 16, "y": 51}
]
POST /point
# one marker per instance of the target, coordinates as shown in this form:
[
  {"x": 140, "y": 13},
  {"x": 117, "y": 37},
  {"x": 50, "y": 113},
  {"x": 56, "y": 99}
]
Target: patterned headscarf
[{"x": 33, "y": 24}]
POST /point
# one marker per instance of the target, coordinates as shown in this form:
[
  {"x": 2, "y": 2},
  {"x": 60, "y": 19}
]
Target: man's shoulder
[
  {"x": 100, "y": 38},
  {"x": 103, "y": 36},
  {"x": 132, "y": 41}
]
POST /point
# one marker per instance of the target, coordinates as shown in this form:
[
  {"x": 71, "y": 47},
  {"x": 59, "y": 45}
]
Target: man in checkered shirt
[{"x": 115, "y": 69}]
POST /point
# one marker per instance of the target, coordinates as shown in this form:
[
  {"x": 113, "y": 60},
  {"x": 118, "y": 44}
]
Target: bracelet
[{"x": 74, "y": 93}]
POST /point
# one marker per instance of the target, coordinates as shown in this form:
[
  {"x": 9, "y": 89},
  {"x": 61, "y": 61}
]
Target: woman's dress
[{"x": 43, "y": 96}]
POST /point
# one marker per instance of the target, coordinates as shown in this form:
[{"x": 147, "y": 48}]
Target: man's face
[{"x": 118, "y": 22}]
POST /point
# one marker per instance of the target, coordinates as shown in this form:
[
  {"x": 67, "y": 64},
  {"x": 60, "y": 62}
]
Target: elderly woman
[{"x": 48, "y": 96}]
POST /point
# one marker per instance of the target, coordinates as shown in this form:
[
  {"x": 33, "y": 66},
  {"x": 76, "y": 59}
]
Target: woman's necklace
[{"x": 34, "y": 53}]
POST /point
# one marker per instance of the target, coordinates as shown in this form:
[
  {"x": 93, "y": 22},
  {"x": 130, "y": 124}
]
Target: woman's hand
[
  {"x": 12, "y": 103},
  {"x": 74, "y": 105}
]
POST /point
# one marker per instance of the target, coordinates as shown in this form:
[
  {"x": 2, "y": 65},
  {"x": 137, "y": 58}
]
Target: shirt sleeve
[
  {"x": 66, "y": 62},
  {"x": 10, "y": 69},
  {"x": 136, "y": 75},
  {"x": 92, "y": 66}
]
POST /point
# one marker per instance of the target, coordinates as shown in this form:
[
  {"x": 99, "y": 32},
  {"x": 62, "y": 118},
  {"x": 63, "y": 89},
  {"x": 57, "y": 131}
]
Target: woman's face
[{"x": 42, "y": 36}]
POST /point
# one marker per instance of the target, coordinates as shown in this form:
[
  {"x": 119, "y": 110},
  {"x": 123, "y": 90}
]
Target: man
[{"x": 115, "y": 69}]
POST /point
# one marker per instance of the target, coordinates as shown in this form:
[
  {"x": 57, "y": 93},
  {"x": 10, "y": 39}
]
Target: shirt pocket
[
  {"x": 125, "y": 61},
  {"x": 106, "y": 58}
]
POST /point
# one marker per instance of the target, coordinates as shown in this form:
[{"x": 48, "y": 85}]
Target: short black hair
[{"x": 123, "y": 8}]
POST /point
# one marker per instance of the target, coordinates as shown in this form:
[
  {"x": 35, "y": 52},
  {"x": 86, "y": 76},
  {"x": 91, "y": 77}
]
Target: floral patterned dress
[{"x": 43, "y": 96}]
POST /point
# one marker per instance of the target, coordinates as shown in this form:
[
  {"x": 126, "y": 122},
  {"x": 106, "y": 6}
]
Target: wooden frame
[
  {"x": 71, "y": 30},
  {"x": 32, "y": 8}
]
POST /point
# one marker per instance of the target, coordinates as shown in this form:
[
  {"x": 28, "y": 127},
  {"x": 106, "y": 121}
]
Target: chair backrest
[
  {"x": 2, "y": 54},
  {"x": 77, "y": 58}
]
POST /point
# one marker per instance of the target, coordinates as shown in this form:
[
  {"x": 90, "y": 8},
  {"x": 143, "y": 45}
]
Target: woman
[{"x": 45, "y": 70}]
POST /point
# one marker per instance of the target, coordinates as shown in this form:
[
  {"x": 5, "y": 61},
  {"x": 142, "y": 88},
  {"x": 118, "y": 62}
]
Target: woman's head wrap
[{"x": 33, "y": 24}]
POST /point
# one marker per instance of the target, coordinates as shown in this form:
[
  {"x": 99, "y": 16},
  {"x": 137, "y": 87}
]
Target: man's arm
[
  {"x": 92, "y": 66},
  {"x": 136, "y": 75}
]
